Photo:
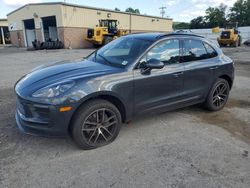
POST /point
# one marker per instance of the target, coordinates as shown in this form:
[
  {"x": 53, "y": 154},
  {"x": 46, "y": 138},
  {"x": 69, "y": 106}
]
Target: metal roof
[{"x": 87, "y": 7}]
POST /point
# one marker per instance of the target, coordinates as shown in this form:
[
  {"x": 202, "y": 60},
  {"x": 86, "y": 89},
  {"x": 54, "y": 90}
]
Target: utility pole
[{"x": 162, "y": 11}]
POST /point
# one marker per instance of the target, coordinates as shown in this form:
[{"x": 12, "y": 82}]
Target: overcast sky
[{"x": 179, "y": 10}]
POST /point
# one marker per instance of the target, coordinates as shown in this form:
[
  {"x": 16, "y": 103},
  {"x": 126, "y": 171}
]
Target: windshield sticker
[{"x": 124, "y": 63}]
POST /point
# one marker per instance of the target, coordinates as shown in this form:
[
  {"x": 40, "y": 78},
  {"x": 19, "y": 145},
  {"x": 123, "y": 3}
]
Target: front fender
[{"x": 112, "y": 97}]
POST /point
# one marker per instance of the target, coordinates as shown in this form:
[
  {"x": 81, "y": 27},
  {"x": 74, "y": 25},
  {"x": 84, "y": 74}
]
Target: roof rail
[{"x": 180, "y": 32}]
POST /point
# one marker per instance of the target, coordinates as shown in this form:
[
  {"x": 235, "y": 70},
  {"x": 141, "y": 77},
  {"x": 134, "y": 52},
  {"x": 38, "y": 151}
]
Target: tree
[
  {"x": 240, "y": 12},
  {"x": 216, "y": 16},
  {"x": 117, "y": 9},
  {"x": 181, "y": 25},
  {"x": 198, "y": 23},
  {"x": 131, "y": 10}
]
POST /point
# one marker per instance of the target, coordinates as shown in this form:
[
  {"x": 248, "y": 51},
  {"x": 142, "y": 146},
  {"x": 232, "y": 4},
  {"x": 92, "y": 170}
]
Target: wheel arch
[{"x": 228, "y": 79}]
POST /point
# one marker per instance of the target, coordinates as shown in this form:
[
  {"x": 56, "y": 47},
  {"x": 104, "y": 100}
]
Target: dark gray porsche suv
[{"x": 89, "y": 99}]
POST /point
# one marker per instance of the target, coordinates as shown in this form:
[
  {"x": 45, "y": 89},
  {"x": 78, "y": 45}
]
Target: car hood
[{"x": 64, "y": 70}]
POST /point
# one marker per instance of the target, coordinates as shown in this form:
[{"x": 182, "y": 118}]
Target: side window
[
  {"x": 167, "y": 52},
  {"x": 193, "y": 50},
  {"x": 210, "y": 51}
]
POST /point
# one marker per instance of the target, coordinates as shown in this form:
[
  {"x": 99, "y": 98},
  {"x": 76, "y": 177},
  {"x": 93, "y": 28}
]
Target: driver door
[{"x": 161, "y": 88}]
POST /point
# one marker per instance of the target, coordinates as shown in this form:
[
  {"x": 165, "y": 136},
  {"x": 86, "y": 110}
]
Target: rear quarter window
[
  {"x": 193, "y": 50},
  {"x": 210, "y": 51}
]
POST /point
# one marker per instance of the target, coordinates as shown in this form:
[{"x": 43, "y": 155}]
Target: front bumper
[{"x": 42, "y": 120}]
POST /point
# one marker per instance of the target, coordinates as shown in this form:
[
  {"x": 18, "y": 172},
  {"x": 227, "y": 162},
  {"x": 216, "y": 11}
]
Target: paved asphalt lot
[{"x": 189, "y": 147}]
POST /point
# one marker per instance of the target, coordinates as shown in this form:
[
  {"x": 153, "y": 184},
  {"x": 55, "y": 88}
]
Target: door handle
[
  {"x": 178, "y": 74},
  {"x": 213, "y": 68}
]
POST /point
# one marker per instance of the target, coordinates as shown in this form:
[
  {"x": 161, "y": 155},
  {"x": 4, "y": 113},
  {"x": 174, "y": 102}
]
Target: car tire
[
  {"x": 96, "y": 123},
  {"x": 235, "y": 44},
  {"x": 218, "y": 95}
]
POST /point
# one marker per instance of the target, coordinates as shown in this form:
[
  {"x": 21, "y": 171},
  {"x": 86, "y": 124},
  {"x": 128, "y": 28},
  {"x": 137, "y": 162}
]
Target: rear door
[{"x": 199, "y": 64}]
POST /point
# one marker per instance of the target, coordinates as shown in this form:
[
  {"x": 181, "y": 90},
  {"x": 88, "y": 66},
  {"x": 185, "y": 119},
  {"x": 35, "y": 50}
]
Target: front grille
[
  {"x": 225, "y": 35},
  {"x": 32, "y": 110},
  {"x": 90, "y": 33},
  {"x": 41, "y": 111},
  {"x": 98, "y": 33},
  {"x": 24, "y": 108}
]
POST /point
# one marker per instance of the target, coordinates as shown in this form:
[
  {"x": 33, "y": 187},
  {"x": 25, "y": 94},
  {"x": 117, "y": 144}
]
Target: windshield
[
  {"x": 108, "y": 23},
  {"x": 120, "y": 52}
]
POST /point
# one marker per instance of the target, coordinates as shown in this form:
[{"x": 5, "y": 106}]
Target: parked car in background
[{"x": 130, "y": 76}]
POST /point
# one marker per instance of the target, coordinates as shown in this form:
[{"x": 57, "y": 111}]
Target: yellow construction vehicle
[
  {"x": 105, "y": 32},
  {"x": 216, "y": 30},
  {"x": 230, "y": 37}
]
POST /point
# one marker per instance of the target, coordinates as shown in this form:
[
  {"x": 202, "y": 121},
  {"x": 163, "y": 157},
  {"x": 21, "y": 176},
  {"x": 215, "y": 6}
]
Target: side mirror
[{"x": 154, "y": 64}]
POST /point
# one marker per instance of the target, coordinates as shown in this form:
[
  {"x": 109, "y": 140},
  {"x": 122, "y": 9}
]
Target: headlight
[{"x": 53, "y": 90}]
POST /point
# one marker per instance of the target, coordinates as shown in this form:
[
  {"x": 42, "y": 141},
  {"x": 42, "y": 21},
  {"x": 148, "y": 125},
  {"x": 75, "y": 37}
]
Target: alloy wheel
[
  {"x": 99, "y": 127},
  {"x": 220, "y": 95}
]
